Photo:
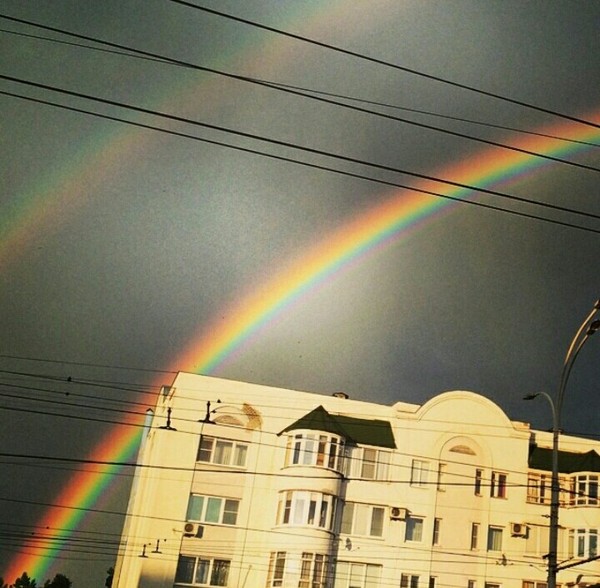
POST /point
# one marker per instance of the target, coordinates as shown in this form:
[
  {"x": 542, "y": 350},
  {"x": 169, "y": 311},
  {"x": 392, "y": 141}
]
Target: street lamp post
[{"x": 589, "y": 326}]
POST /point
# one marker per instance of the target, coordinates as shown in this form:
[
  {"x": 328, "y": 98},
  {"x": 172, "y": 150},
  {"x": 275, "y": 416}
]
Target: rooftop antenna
[
  {"x": 206, "y": 418},
  {"x": 168, "y": 426}
]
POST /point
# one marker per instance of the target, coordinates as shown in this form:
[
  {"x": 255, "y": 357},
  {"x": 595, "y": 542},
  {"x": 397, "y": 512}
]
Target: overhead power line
[
  {"x": 86, "y": 364},
  {"x": 323, "y": 167},
  {"x": 298, "y": 147},
  {"x": 302, "y": 92},
  {"x": 385, "y": 63},
  {"x": 139, "y": 54}
]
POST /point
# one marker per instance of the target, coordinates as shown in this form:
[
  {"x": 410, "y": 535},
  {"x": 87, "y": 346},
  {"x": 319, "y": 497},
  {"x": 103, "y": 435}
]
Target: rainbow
[{"x": 395, "y": 219}]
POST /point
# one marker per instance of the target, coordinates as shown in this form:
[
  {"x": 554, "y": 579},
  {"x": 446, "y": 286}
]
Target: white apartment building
[{"x": 243, "y": 485}]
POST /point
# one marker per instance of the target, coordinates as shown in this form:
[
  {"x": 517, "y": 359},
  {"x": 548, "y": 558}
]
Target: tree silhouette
[
  {"x": 25, "y": 582},
  {"x": 59, "y": 581},
  {"x": 109, "y": 578}
]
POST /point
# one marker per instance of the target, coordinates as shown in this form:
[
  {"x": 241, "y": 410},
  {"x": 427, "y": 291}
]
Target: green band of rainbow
[{"x": 401, "y": 213}]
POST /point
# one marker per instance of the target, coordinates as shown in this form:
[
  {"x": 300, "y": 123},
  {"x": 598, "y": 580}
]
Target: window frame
[
  {"x": 306, "y": 508},
  {"x": 409, "y": 581},
  {"x": 212, "y": 572},
  {"x": 435, "y": 535},
  {"x": 539, "y": 489},
  {"x": 580, "y": 489},
  {"x": 314, "y": 449},
  {"x": 498, "y": 484},
  {"x": 414, "y": 529},
  {"x": 495, "y": 536},
  {"x": 346, "y": 572},
  {"x": 478, "y": 482},
  {"x": 584, "y": 542},
  {"x": 419, "y": 472},
  {"x": 237, "y": 454},
  {"x": 354, "y": 513},
  {"x": 367, "y": 463},
  {"x": 534, "y": 584},
  {"x": 310, "y": 568},
  {"x": 475, "y": 527},
  {"x": 204, "y": 509},
  {"x": 441, "y": 474},
  {"x": 314, "y": 570}
]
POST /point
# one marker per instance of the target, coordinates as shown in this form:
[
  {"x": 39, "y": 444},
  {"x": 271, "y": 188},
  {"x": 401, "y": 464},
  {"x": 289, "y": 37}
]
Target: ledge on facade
[
  {"x": 540, "y": 458},
  {"x": 364, "y": 431}
]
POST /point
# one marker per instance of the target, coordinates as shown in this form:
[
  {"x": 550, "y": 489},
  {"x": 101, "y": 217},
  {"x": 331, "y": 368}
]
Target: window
[
  {"x": 536, "y": 542},
  {"x": 492, "y": 585},
  {"x": 313, "y": 449},
  {"x": 276, "y": 568},
  {"x": 409, "y": 581},
  {"x": 584, "y": 490},
  {"x": 298, "y": 507},
  {"x": 539, "y": 489},
  {"x": 432, "y": 581},
  {"x": 362, "y": 519},
  {"x": 200, "y": 571},
  {"x": 478, "y": 479},
  {"x": 414, "y": 529},
  {"x": 357, "y": 575},
  {"x": 310, "y": 570},
  {"x": 368, "y": 463},
  {"x": 313, "y": 570},
  {"x": 583, "y": 542},
  {"x": 532, "y": 584},
  {"x": 474, "y": 535},
  {"x": 471, "y": 584},
  {"x": 440, "y": 477},
  {"x": 212, "y": 509},
  {"x": 494, "y": 541},
  {"x": 435, "y": 540},
  {"x": 498, "y": 485},
  {"x": 418, "y": 473},
  {"x": 222, "y": 451}
]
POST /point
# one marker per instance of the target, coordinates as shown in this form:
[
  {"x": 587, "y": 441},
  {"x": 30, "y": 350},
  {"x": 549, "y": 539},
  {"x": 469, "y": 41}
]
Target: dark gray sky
[{"x": 120, "y": 245}]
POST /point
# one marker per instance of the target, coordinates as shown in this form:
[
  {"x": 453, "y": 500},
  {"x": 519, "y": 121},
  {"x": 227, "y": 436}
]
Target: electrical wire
[
  {"x": 168, "y": 61},
  {"x": 385, "y": 63},
  {"x": 318, "y": 96},
  {"x": 343, "y": 172}
]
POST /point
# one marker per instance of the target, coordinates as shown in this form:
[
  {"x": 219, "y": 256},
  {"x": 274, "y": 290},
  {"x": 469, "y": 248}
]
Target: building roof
[
  {"x": 540, "y": 458},
  {"x": 363, "y": 431}
]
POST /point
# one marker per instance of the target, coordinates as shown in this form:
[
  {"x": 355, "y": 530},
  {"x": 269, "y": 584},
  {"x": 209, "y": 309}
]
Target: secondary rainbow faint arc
[{"x": 387, "y": 222}]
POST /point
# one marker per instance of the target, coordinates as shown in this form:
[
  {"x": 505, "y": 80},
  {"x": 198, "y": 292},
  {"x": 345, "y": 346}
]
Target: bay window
[
  {"x": 301, "y": 507},
  {"x": 314, "y": 449}
]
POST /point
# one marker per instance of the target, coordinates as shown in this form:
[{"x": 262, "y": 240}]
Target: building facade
[{"x": 243, "y": 485}]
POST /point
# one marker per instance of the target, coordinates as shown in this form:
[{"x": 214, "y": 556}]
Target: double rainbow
[{"x": 400, "y": 214}]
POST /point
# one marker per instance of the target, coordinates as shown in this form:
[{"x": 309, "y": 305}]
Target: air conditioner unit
[
  {"x": 193, "y": 530},
  {"x": 518, "y": 530},
  {"x": 398, "y": 514}
]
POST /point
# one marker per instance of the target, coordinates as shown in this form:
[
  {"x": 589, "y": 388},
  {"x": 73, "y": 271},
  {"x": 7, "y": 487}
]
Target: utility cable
[
  {"x": 318, "y": 96},
  {"x": 312, "y": 151},
  {"x": 385, "y": 63},
  {"x": 429, "y": 113},
  {"x": 86, "y": 364}
]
